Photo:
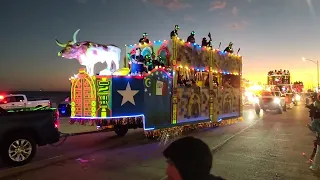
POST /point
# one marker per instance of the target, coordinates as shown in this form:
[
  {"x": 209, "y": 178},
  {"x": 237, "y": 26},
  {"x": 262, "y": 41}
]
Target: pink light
[{"x": 115, "y": 117}]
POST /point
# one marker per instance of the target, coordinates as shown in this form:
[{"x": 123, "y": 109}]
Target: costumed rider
[
  {"x": 155, "y": 61},
  {"x": 191, "y": 38},
  {"x": 229, "y": 49},
  {"x": 144, "y": 39},
  {"x": 148, "y": 62},
  {"x": 174, "y": 33},
  {"x": 137, "y": 63},
  {"x": 205, "y": 42}
]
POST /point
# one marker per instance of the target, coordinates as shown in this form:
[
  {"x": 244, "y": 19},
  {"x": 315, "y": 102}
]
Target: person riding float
[
  {"x": 144, "y": 39},
  {"x": 174, "y": 33},
  {"x": 205, "y": 42},
  {"x": 191, "y": 38},
  {"x": 137, "y": 63},
  {"x": 229, "y": 49}
]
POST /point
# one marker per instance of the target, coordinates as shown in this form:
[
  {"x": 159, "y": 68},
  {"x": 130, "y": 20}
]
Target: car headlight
[
  {"x": 277, "y": 100},
  {"x": 298, "y": 97}
]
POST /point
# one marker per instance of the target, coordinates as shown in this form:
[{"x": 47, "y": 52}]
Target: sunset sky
[{"x": 272, "y": 34}]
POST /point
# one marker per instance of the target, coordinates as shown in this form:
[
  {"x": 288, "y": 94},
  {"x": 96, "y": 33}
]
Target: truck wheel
[
  {"x": 18, "y": 149},
  {"x": 121, "y": 130},
  {"x": 284, "y": 108},
  {"x": 279, "y": 111},
  {"x": 257, "y": 111}
]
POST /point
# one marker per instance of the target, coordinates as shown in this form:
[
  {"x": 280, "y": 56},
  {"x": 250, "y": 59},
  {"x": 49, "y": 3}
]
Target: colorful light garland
[
  {"x": 139, "y": 76},
  {"x": 206, "y": 70},
  {"x": 164, "y": 134}
]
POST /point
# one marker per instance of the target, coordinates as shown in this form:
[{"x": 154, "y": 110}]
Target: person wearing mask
[
  {"x": 204, "y": 42},
  {"x": 317, "y": 102},
  {"x": 191, "y": 38},
  {"x": 174, "y": 33},
  {"x": 315, "y": 106},
  {"x": 229, "y": 48},
  {"x": 144, "y": 39},
  {"x": 189, "y": 158}
]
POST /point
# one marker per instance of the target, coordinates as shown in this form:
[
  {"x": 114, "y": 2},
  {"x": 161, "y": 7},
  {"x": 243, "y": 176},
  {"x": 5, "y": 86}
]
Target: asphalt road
[{"x": 268, "y": 147}]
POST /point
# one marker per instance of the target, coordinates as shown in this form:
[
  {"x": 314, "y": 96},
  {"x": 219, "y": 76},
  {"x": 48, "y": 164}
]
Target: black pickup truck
[{"x": 21, "y": 131}]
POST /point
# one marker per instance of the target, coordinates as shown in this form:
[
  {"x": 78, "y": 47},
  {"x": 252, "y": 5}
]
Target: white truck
[
  {"x": 271, "y": 100},
  {"x": 17, "y": 101}
]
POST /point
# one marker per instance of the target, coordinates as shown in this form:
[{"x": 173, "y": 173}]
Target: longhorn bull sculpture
[{"x": 89, "y": 53}]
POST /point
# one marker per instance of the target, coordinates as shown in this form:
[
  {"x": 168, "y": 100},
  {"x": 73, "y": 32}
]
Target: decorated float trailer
[
  {"x": 280, "y": 80},
  {"x": 195, "y": 87}
]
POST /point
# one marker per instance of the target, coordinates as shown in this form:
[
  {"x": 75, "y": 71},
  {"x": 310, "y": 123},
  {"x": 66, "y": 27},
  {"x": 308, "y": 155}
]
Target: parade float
[
  {"x": 166, "y": 87},
  {"x": 280, "y": 80}
]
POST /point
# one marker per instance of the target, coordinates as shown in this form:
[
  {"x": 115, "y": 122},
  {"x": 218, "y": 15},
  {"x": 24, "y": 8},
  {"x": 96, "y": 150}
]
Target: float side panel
[
  {"x": 192, "y": 56},
  {"x": 104, "y": 96},
  {"x": 83, "y": 96},
  {"x": 157, "y": 104},
  {"x": 127, "y": 96}
]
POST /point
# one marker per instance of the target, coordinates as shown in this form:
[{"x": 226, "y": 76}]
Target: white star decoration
[{"x": 128, "y": 95}]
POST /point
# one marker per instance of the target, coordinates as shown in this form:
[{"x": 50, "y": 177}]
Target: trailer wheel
[
  {"x": 284, "y": 108},
  {"x": 121, "y": 130},
  {"x": 257, "y": 111},
  {"x": 18, "y": 149},
  {"x": 279, "y": 110}
]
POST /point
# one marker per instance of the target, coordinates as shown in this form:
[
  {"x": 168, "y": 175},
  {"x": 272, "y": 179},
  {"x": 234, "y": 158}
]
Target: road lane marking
[
  {"x": 265, "y": 159},
  {"x": 253, "y": 137}
]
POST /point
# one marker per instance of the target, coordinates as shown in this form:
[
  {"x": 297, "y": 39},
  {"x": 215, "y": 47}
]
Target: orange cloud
[
  {"x": 217, "y": 5},
  {"x": 173, "y": 5},
  {"x": 239, "y": 25},
  {"x": 235, "y": 11}
]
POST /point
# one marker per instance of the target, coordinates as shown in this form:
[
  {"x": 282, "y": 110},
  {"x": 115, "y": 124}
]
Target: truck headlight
[
  {"x": 298, "y": 97},
  {"x": 277, "y": 100},
  {"x": 256, "y": 100}
]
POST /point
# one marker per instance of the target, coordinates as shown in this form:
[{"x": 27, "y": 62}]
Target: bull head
[{"x": 70, "y": 42}]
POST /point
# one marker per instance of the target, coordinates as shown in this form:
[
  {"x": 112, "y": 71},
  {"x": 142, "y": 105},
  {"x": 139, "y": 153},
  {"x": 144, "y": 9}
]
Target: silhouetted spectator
[{"x": 189, "y": 158}]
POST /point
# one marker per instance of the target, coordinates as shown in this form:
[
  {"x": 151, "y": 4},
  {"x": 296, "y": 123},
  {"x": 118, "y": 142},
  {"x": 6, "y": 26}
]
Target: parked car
[
  {"x": 271, "y": 101},
  {"x": 18, "y": 101},
  {"x": 22, "y": 130}
]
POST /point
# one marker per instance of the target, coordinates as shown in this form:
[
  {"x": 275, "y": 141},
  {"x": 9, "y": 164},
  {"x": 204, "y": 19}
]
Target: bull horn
[
  {"x": 60, "y": 44},
  {"x": 75, "y": 36}
]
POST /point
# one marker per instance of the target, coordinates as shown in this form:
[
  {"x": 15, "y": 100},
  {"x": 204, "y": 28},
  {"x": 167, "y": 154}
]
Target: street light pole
[{"x": 316, "y": 62}]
